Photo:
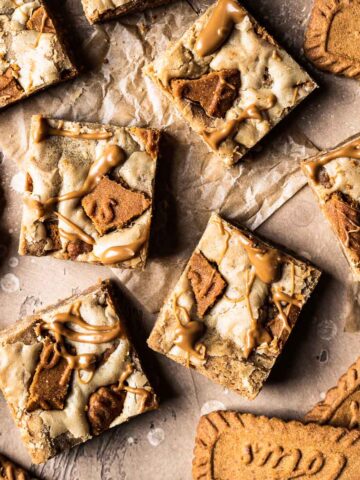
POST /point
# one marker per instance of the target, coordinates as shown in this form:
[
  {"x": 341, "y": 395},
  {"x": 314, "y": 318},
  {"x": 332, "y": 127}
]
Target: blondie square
[
  {"x": 70, "y": 372},
  {"x": 334, "y": 176},
  {"x": 100, "y": 10},
  {"x": 89, "y": 192},
  {"x": 233, "y": 307},
  {"x": 33, "y": 49},
  {"x": 230, "y": 80}
]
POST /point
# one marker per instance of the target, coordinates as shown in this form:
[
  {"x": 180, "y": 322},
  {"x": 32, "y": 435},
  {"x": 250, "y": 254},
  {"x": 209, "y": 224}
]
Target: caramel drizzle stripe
[
  {"x": 134, "y": 390},
  {"x": 219, "y": 26},
  {"x": 12, "y": 474},
  {"x": 312, "y": 167},
  {"x": 186, "y": 336},
  {"x": 94, "y": 334},
  {"x": 42, "y": 27},
  {"x": 356, "y": 228},
  {"x": 215, "y": 137},
  {"x": 78, "y": 232}
]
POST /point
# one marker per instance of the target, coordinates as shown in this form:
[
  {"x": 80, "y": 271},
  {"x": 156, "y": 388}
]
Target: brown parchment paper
[{"x": 191, "y": 182}]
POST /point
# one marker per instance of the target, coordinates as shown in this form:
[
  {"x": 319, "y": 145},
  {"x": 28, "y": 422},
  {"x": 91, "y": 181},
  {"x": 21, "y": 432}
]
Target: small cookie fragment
[
  {"x": 10, "y": 89},
  {"x": 341, "y": 406},
  {"x": 10, "y": 471},
  {"x": 234, "y": 446},
  {"x": 110, "y": 205},
  {"x": 104, "y": 406},
  {"x": 206, "y": 282},
  {"x": 332, "y": 39},
  {"x": 40, "y": 22},
  {"x": 215, "y": 91}
]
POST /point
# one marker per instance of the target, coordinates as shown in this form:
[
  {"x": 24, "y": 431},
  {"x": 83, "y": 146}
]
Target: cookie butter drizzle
[
  {"x": 215, "y": 137},
  {"x": 134, "y": 390},
  {"x": 266, "y": 264},
  {"x": 43, "y": 131},
  {"x": 219, "y": 26},
  {"x": 188, "y": 334},
  {"x": 111, "y": 157},
  {"x": 93, "y": 334},
  {"x": 312, "y": 167}
]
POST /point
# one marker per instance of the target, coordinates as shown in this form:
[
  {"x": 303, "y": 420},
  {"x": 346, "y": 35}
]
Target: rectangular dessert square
[
  {"x": 341, "y": 405},
  {"x": 33, "y": 49},
  {"x": 237, "y": 446},
  {"x": 233, "y": 307},
  {"x": 70, "y": 372},
  {"x": 230, "y": 80},
  {"x": 89, "y": 192},
  {"x": 334, "y": 177},
  {"x": 100, "y": 10}
]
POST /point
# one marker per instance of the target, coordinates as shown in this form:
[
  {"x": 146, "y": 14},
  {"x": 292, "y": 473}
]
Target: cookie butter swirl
[
  {"x": 219, "y": 26},
  {"x": 143, "y": 392},
  {"x": 312, "y": 167},
  {"x": 43, "y": 130},
  {"x": 59, "y": 327},
  {"x": 215, "y": 137},
  {"x": 187, "y": 335}
]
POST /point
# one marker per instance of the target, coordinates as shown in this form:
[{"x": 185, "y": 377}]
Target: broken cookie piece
[
  {"x": 34, "y": 54},
  {"x": 104, "y": 406},
  {"x": 215, "y": 91},
  {"x": 50, "y": 384},
  {"x": 206, "y": 282},
  {"x": 70, "y": 372},
  {"x": 111, "y": 205},
  {"x": 10, "y": 89},
  {"x": 40, "y": 22},
  {"x": 109, "y": 176},
  {"x": 248, "y": 295}
]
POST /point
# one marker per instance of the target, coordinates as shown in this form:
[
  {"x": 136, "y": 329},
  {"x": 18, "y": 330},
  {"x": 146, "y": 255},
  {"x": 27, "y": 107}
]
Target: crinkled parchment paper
[{"x": 191, "y": 181}]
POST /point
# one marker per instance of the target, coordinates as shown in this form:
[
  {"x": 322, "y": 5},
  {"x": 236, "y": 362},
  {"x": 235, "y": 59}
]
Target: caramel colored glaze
[
  {"x": 220, "y": 25},
  {"x": 187, "y": 336},
  {"x": 136, "y": 391},
  {"x": 312, "y": 167},
  {"x": 44, "y": 131},
  {"x": 111, "y": 157},
  {"x": 35, "y": 205},
  {"x": 11, "y": 474},
  {"x": 42, "y": 27},
  {"x": 266, "y": 261},
  {"x": 255, "y": 334},
  {"x": 78, "y": 232},
  {"x": 215, "y": 137},
  {"x": 122, "y": 252},
  {"x": 94, "y": 334}
]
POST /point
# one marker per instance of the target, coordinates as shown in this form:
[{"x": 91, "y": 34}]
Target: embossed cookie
[
  {"x": 341, "y": 406},
  {"x": 332, "y": 39},
  {"x": 234, "y": 446}
]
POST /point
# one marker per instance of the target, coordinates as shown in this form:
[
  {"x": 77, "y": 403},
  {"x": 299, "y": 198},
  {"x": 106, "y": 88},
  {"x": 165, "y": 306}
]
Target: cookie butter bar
[
  {"x": 231, "y": 445},
  {"x": 70, "y": 372},
  {"x": 33, "y": 53},
  {"x": 233, "y": 307},
  {"x": 334, "y": 176},
  {"x": 100, "y": 10},
  {"x": 89, "y": 192},
  {"x": 230, "y": 79},
  {"x": 10, "y": 471}
]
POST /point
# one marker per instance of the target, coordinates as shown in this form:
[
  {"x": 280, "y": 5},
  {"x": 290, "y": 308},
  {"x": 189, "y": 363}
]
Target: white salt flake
[
  {"x": 156, "y": 436},
  {"x": 212, "y": 406},
  {"x": 10, "y": 283}
]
